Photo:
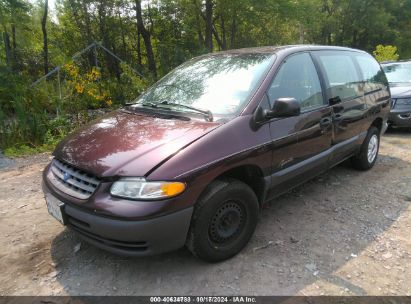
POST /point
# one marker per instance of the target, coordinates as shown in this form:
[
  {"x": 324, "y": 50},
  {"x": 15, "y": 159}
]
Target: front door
[{"x": 299, "y": 143}]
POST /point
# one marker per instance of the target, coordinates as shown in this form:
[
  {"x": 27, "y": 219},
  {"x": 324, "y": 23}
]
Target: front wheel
[
  {"x": 224, "y": 220},
  {"x": 367, "y": 156}
]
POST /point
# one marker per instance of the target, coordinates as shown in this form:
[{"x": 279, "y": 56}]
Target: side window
[
  {"x": 341, "y": 73},
  {"x": 297, "y": 78},
  {"x": 373, "y": 76}
]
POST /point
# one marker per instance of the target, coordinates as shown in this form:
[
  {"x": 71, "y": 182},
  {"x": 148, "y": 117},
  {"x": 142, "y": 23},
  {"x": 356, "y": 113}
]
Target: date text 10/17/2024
[{"x": 205, "y": 299}]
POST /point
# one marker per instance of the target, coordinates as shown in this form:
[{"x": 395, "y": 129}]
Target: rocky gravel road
[{"x": 344, "y": 233}]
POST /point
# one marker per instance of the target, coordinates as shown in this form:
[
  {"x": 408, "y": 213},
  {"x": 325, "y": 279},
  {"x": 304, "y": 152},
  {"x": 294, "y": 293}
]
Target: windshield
[
  {"x": 221, "y": 84},
  {"x": 398, "y": 72}
]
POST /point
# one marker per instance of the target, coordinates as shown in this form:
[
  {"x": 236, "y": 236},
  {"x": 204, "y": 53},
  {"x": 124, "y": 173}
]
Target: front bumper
[{"x": 129, "y": 237}]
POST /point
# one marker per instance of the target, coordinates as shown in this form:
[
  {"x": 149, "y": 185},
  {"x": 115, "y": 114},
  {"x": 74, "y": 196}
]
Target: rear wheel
[
  {"x": 223, "y": 221},
  {"x": 367, "y": 156}
]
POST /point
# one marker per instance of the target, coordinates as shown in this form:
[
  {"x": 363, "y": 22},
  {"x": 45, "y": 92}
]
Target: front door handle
[{"x": 338, "y": 117}]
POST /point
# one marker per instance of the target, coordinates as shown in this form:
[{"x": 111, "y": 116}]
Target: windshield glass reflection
[
  {"x": 398, "y": 72},
  {"x": 221, "y": 84}
]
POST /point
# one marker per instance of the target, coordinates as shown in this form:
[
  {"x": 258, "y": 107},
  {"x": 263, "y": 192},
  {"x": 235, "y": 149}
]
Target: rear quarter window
[
  {"x": 342, "y": 78},
  {"x": 373, "y": 76}
]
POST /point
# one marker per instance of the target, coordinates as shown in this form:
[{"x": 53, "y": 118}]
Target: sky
[
  {"x": 52, "y": 3},
  {"x": 52, "y": 10}
]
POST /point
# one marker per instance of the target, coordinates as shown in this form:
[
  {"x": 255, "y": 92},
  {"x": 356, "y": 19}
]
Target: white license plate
[{"x": 54, "y": 207}]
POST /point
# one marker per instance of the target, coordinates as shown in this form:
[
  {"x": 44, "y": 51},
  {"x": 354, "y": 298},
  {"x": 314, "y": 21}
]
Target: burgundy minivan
[{"x": 192, "y": 160}]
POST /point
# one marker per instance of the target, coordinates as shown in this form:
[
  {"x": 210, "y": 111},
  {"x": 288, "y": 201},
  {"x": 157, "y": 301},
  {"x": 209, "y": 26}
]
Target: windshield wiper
[
  {"x": 206, "y": 113},
  {"x": 146, "y": 104},
  {"x": 150, "y": 104},
  {"x": 163, "y": 114},
  {"x": 157, "y": 105}
]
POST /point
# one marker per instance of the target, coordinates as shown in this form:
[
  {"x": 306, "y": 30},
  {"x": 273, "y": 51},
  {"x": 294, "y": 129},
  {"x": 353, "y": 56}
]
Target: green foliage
[
  {"x": 132, "y": 85},
  {"x": 386, "y": 53},
  {"x": 24, "y": 150},
  {"x": 36, "y": 118}
]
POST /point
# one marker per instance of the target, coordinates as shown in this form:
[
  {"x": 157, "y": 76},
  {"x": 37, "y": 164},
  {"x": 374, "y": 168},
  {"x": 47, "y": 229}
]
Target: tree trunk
[
  {"x": 199, "y": 31},
  {"x": 85, "y": 29},
  {"x": 14, "y": 45},
  {"x": 326, "y": 31},
  {"x": 139, "y": 59},
  {"x": 104, "y": 34},
  {"x": 45, "y": 42},
  {"x": 89, "y": 32},
  {"x": 233, "y": 31},
  {"x": 74, "y": 10},
  {"x": 123, "y": 38},
  {"x": 223, "y": 34},
  {"x": 147, "y": 39},
  {"x": 6, "y": 39},
  {"x": 209, "y": 25},
  {"x": 355, "y": 38},
  {"x": 301, "y": 29},
  {"x": 217, "y": 38}
]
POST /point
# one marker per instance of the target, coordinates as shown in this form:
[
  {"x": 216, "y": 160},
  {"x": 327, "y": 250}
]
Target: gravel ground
[
  {"x": 343, "y": 233},
  {"x": 5, "y": 163}
]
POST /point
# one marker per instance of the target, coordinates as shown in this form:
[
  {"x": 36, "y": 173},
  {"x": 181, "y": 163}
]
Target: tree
[
  {"x": 13, "y": 14},
  {"x": 386, "y": 53},
  {"x": 45, "y": 41},
  {"x": 147, "y": 39},
  {"x": 209, "y": 24}
]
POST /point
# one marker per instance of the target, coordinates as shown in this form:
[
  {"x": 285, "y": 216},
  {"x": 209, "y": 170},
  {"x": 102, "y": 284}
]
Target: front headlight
[{"x": 139, "y": 188}]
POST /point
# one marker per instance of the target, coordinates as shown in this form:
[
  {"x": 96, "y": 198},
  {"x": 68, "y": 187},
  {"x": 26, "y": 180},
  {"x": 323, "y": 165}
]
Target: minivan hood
[
  {"x": 400, "y": 91},
  {"x": 128, "y": 144}
]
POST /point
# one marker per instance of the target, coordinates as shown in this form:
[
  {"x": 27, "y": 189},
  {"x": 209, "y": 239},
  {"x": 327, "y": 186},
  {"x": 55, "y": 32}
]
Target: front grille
[{"x": 72, "y": 181}]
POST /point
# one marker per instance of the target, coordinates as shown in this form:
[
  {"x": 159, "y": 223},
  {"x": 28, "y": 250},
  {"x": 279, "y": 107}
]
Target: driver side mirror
[{"x": 283, "y": 107}]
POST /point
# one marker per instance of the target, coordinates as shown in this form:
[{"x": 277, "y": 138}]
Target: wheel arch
[
  {"x": 252, "y": 175},
  {"x": 378, "y": 123}
]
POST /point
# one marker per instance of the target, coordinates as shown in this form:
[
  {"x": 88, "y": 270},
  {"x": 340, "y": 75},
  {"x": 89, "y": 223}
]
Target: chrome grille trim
[
  {"x": 79, "y": 184},
  {"x": 76, "y": 173},
  {"x": 72, "y": 181}
]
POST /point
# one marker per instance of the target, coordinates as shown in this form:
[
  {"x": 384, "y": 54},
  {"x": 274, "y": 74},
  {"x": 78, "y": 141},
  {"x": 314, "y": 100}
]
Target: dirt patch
[{"x": 344, "y": 233}]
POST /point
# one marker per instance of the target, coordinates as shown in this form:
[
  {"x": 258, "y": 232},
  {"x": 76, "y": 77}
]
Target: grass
[
  {"x": 25, "y": 150},
  {"x": 21, "y": 150}
]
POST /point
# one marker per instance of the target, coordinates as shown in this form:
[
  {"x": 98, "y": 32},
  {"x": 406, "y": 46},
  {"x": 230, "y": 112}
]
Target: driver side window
[{"x": 297, "y": 78}]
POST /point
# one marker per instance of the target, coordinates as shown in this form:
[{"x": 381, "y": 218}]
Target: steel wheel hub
[
  {"x": 227, "y": 222},
  {"x": 372, "y": 148}
]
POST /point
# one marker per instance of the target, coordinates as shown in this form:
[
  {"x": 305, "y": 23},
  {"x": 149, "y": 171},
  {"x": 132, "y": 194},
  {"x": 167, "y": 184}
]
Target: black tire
[
  {"x": 361, "y": 161},
  {"x": 224, "y": 220}
]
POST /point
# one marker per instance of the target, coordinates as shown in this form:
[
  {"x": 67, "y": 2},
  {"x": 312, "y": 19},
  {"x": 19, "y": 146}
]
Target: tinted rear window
[{"x": 371, "y": 71}]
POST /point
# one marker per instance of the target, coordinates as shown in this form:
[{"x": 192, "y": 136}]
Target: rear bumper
[{"x": 129, "y": 237}]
